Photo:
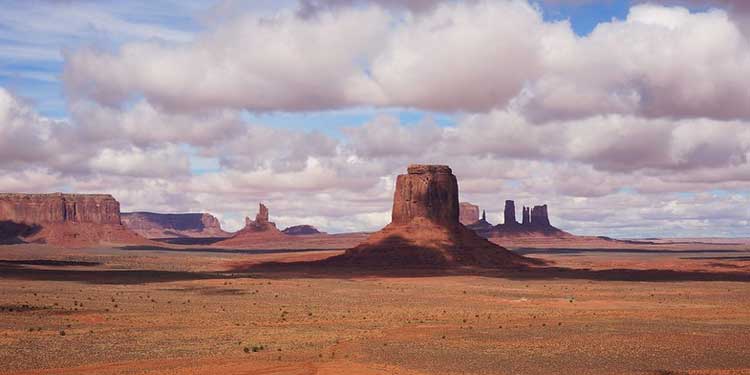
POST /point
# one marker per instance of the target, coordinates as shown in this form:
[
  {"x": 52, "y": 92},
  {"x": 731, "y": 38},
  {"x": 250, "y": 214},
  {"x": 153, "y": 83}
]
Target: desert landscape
[
  {"x": 375, "y": 187},
  {"x": 424, "y": 296}
]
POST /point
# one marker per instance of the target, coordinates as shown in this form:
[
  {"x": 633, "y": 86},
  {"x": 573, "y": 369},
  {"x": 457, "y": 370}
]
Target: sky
[{"x": 628, "y": 118}]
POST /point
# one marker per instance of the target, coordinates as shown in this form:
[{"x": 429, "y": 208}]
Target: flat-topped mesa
[
  {"x": 59, "y": 208},
  {"x": 425, "y": 231},
  {"x": 510, "y": 213},
  {"x": 428, "y": 168},
  {"x": 66, "y": 220},
  {"x": 539, "y": 217},
  {"x": 165, "y": 225},
  {"x": 427, "y": 191},
  {"x": 468, "y": 213}
]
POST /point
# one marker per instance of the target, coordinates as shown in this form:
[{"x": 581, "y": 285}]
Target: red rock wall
[
  {"x": 59, "y": 208},
  {"x": 427, "y": 191}
]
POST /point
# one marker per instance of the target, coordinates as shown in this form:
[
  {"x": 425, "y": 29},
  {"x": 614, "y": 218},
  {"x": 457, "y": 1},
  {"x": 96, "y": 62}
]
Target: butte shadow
[{"x": 424, "y": 233}]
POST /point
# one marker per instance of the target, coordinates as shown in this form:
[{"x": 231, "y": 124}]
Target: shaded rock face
[
  {"x": 510, "y": 212},
  {"x": 157, "y": 225},
  {"x": 535, "y": 221},
  {"x": 59, "y": 208},
  {"x": 526, "y": 220},
  {"x": 425, "y": 231},
  {"x": 426, "y": 191},
  {"x": 301, "y": 230},
  {"x": 74, "y": 220},
  {"x": 468, "y": 213},
  {"x": 539, "y": 216}
]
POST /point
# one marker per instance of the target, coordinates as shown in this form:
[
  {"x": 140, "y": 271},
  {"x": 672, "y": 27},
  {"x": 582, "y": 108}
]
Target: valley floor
[{"x": 647, "y": 310}]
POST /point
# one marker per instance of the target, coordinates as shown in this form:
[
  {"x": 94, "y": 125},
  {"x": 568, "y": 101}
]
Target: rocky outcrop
[
  {"x": 482, "y": 227},
  {"x": 535, "y": 221},
  {"x": 258, "y": 230},
  {"x": 301, "y": 230},
  {"x": 158, "y": 225},
  {"x": 425, "y": 230},
  {"x": 510, "y": 213},
  {"x": 62, "y": 219},
  {"x": 468, "y": 213},
  {"x": 261, "y": 222},
  {"x": 539, "y": 217}
]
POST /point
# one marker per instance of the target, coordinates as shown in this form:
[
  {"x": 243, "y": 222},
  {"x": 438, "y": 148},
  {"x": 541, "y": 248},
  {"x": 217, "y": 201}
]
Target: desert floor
[{"x": 669, "y": 308}]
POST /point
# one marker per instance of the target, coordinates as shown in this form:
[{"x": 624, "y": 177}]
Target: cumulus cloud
[
  {"x": 644, "y": 117},
  {"x": 454, "y": 58},
  {"x": 265, "y": 63}
]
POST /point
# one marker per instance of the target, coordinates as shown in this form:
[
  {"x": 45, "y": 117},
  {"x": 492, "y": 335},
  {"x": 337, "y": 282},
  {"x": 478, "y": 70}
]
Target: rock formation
[
  {"x": 425, "y": 230},
  {"x": 260, "y": 229},
  {"x": 482, "y": 227},
  {"x": 526, "y": 216},
  {"x": 156, "y": 225},
  {"x": 62, "y": 219},
  {"x": 510, "y": 213},
  {"x": 535, "y": 221},
  {"x": 539, "y": 216},
  {"x": 301, "y": 230},
  {"x": 468, "y": 213}
]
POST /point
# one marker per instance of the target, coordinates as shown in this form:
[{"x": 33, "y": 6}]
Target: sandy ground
[{"x": 675, "y": 308}]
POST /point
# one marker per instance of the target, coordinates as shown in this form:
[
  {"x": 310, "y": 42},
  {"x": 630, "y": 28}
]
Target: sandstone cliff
[
  {"x": 157, "y": 225},
  {"x": 62, "y": 219},
  {"x": 424, "y": 229},
  {"x": 468, "y": 213}
]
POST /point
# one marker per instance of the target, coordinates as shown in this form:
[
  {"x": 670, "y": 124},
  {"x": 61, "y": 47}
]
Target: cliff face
[
  {"x": 427, "y": 191},
  {"x": 68, "y": 220},
  {"x": 468, "y": 213},
  {"x": 156, "y": 225},
  {"x": 59, "y": 208}
]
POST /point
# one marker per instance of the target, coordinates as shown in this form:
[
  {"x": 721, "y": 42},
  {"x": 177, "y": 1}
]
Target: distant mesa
[
  {"x": 301, "y": 230},
  {"x": 174, "y": 225},
  {"x": 468, "y": 213},
  {"x": 425, "y": 230},
  {"x": 260, "y": 229},
  {"x": 74, "y": 220}
]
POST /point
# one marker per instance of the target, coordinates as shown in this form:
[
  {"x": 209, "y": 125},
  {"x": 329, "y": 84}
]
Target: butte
[{"x": 425, "y": 230}]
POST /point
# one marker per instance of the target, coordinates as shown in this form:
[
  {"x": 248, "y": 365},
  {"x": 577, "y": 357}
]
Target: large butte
[{"x": 425, "y": 231}]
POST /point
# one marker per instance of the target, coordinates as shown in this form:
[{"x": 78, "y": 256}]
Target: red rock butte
[
  {"x": 425, "y": 230},
  {"x": 63, "y": 219},
  {"x": 260, "y": 229}
]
